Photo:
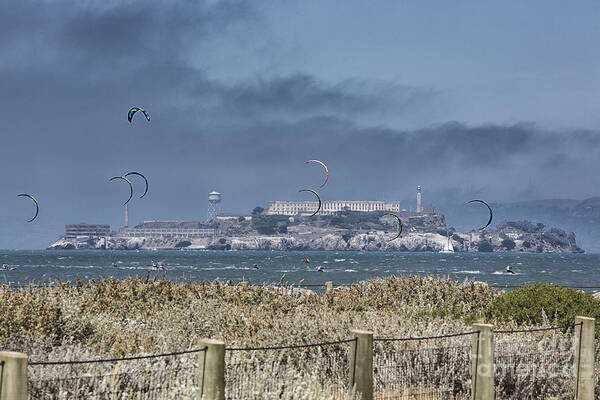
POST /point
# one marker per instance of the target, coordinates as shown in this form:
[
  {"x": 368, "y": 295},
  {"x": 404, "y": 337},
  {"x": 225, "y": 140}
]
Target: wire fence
[
  {"x": 161, "y": 376},
  {"x": 437, "y": 367},
  {"x": 529, "y": 364},
  {"x": 535, "y": 363},
  {"x": 287, "y": 371}
]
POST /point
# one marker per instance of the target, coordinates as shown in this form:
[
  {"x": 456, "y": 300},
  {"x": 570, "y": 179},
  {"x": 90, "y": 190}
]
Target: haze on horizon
[{"x": 498, "y": 101}]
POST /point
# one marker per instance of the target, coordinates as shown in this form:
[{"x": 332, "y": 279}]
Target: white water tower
[{"x": 214, "y": 205}]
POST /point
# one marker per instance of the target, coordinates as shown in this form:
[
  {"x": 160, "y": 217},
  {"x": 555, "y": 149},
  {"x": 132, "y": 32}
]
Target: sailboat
[{"x": 448, "y": 248}]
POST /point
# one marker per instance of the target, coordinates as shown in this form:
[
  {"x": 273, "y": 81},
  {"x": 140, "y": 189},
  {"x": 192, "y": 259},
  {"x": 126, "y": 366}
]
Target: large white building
[{"x": 330, "y": 207}]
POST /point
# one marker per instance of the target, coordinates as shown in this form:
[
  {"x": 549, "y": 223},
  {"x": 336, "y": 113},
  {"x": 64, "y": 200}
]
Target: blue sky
[{"x": 464, "y": 98}]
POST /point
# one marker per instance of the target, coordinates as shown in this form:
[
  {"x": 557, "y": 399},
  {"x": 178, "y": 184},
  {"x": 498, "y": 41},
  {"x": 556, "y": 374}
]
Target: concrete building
[
  {"x": 83, "y": 229},
  {"x": 330, "y": 207},
  {"x": 183, "y": 233}
]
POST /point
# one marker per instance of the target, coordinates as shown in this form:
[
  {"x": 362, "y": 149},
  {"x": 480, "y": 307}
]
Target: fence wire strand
[
  {"x": 535, "y": 363},
  {"x": 256, "y": 373},
  {"x": 162, "y": 376},
  {"x": 436, "y": 367}
]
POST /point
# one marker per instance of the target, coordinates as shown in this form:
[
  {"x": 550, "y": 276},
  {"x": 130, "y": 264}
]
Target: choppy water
[{"x": 577, "y": 270}]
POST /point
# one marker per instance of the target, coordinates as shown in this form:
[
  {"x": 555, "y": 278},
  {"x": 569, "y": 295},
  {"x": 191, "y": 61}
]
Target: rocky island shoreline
[{"x": 346, "y": 231}]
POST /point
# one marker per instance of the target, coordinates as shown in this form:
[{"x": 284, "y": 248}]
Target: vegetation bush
[
  {"x": 183, "y": 243},
  {"x": 108, "y": 317},
  {"x": 524, "y": 226},
  {"x": 269, "y": 224},
  {"x": 357, "y": 220},
  {"x": 508, "y": 243},
  {"x": 556, "y": 237},
  {"x": 485, "y": 246},
  {"x": 529, "y": 305},
  {"x": 257, "y": 210}
]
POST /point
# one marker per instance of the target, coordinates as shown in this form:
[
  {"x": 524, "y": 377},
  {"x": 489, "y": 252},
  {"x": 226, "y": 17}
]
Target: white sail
[{"x": 448, "y": 248}]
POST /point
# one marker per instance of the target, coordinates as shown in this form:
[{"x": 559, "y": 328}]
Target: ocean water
[{"x": 575, "y": 270}]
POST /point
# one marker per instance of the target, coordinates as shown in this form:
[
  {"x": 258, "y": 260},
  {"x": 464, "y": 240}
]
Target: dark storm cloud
[
  {"x": 302, "y": 94},
  {"x": 99, "y": 31}
]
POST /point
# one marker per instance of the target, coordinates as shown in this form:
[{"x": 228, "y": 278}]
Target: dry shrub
[{"x": 111, "y": 318}]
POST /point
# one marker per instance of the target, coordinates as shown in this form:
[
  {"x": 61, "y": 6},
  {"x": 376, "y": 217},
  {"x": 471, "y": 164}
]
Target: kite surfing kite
[
  {"x": 399, "y": 225},
  {"x": 318, "y": 198},
  {"x": 324, "y": 166},
  {"x": 130, "y": 186},
  {"x": 37, "y": 206},
  {"x": 133, "y": 110},
  {"x": 489, "y": 209},
  {"x": 145, "y": 180}
]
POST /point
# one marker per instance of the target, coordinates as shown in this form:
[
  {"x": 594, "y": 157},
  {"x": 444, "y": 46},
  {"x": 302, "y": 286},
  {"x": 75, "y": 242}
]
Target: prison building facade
[
  {"x": 330, "y": 207},
  {"x": 83, "y": 229}
]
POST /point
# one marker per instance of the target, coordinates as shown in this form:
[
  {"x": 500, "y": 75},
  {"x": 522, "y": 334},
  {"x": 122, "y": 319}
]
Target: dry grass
[{"x": 110, "y": 318}]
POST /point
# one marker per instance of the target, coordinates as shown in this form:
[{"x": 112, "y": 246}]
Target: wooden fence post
[
  {"x": 361, "y": 364},
  {"x": 584, "y": 358},
  {"x": 328, "y": 286},
  {"x": 482, "y": 356},
  {"x": 13, "y": 383},
  {"x": 212, "y": 370}
]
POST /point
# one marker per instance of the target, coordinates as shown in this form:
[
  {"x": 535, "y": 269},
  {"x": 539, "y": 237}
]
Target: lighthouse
[{"x": 419, "y": 207}]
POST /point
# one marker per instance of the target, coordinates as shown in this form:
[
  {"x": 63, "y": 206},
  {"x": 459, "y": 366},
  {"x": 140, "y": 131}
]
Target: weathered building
[{"x": 83, "y": 229}]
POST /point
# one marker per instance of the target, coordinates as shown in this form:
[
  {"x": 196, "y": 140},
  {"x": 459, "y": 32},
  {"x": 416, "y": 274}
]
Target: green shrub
[
  {"x": 183, "y": 243},
  {"x": 508, "y": 243},
  {"x": 525, "y": 305},
  {"x": 484, "y": 246},
  {"x": 258, "y": 210},
  {"x": 269, "y": 224}
]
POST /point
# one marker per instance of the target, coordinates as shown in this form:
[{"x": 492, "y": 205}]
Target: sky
[{"x": 498, "y": 101}]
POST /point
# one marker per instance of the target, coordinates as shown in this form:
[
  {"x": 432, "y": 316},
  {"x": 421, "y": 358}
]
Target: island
[{"x": 344, "y": 230}]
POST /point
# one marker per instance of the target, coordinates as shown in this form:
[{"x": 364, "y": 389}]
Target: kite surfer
[
  {"x": 320, "y": 268},
  {"x": 255, "y": 266},
  {"x": 305, "y": 260},
  {"x": 509, "y": 270}
]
